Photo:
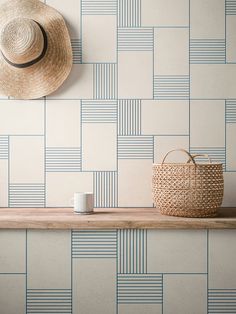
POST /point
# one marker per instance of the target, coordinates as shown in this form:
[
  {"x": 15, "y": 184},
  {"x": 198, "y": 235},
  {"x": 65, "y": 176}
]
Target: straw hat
[{"x": 35, "y": 49}]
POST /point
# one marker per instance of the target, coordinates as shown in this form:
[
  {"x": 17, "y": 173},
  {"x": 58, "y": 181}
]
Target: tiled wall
[
  {"x": 148, "y": 76},
  {"x": 117, "y": 272}
]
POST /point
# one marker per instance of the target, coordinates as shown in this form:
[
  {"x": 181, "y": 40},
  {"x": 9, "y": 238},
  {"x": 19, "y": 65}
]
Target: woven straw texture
[
  {"x": 45, "y": 76},
  {"x": 188, "y": 190}
]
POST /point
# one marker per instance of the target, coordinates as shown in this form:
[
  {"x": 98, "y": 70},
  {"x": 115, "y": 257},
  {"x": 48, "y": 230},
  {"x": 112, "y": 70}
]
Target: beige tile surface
[
  {"x": 222, "y": 254},
  {"x": 94, "y": 286},
  {"x": 27, "y": 159},
  {"x": 177, "y": 251},
  {"x": 165, "y": 117},
  {"x": 49, "y": 259},
  {"x": 61, "y": 187},
  {"x": 13, "y": 294},
  {"x": 63, "y": 123},
  {"x": 21, "y": 117},
  {"x": 140, "y": 308},
  {"x": 4, "y": 183},
  {"x": 134, "y": 182},
  {"x": 12, "y": 251},
  {"x": 185, "y": 294}
]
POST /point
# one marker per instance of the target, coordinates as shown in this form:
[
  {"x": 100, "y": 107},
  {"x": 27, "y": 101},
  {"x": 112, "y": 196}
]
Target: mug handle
[{"x": 71, "y": 202}]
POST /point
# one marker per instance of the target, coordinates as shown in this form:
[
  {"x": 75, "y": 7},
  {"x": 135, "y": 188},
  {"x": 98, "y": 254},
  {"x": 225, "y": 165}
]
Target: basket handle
[
  {"x": 191, "y": 158},
  {"x": 200, "y": 155}
]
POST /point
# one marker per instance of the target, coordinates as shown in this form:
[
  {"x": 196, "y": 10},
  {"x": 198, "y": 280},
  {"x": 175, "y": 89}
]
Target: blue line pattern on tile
[
  {"x": 217, "y": 154},
  {"x": 132, "y": 249},
  {"x": 135, "y": 39},
  {"x": 171, "y": 87},
  {"x": 135, "y": 147},
  {"x": 105, "y": 188},
  {"x": 104, "y": 85},
  {"x": 129, "y": 117},
  {"x": 221, "y": 301},
  {"x": 27, "y": 195},
  {"x": 76, "y": 50},
  {"x": 129, "y": 13},
  {"x": 94, "y": 243},
  {"x": 99, "y": 111},
  {"x": 99, "y": 7},
  {"x": 231, "y": 111},
  {"x": 230, "y": 7},
  {"x": 4, "y": 147},
  {"x": 207, "y": 51},
  {"x": 49, "y": 301},
  {"x": 140, "y": 289},
  {"x": 63, "y": 159}
]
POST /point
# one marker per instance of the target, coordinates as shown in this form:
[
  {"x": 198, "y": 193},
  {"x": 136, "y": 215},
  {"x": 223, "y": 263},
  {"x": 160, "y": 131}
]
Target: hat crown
[{"x": 21, "y": 40}]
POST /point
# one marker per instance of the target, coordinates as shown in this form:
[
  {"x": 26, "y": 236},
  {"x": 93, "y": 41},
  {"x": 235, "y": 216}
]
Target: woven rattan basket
[{"x": 188, "y": 189}]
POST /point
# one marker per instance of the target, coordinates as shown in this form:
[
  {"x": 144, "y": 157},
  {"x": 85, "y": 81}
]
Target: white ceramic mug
[{"x": 83, "y": 202}]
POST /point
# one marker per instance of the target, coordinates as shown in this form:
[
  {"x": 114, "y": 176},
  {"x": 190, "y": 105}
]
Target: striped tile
[
  {"x": 230, "y": 7},
  {"x": 140, "y": 289},
  {"x": 221, "y": 301},
  {"x": 94, "y": 243},
  {"x": 4, "y": 147},
  {"x": 99, "y": 7},
  {"x": 27, "y": 195},
  {"x": 132, "y": 251},
  {"x": 207, "y": 51},
  {"x": 63, "y": 159},
  {"x": 135, "y": 39},
  {"x": 217, "y": 154},
  {"x": 104, "y": 85},
  {"x": 76, "y": 50},
  {"x": 49, "y": 301},
  {"x": 105, "y": 188},
  {"x": 129, "y": 117},
  {"x": 135, "y": 147},
  {"x": 171, "y": 87},
  {"x": 230, "y": 111},
  {"x": 129, "y": 13},
  {"x": 99, "y": 111}
]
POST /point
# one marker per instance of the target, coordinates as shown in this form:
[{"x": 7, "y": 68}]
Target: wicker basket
[{"x": 188, "y": 190}]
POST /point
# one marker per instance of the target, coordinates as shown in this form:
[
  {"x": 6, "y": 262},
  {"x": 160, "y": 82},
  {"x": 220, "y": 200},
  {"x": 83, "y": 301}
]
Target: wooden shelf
[{"x": 111, "y": 218}]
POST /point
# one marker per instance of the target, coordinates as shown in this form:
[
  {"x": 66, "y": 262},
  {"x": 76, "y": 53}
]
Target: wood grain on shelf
[{"x": 111, "y": 218}]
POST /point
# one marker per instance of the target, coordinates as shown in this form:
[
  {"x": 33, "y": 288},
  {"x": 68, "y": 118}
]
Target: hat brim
[{"x": 45, "y": 76}]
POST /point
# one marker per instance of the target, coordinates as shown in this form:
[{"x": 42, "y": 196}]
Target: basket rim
[{"x": 187, "y": 164}]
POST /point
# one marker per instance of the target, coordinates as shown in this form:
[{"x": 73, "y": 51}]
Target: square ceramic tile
[
  {"x": 185, "y": 294},
  {"x": 230, "y": 38},
  {"x": 94, "y": 286},
  {"x": 177, "y": 251},
  {"x": 229, "y": 189},
  {"x": 156, "y": 119},
  {"x": 134, "y": 183},
  {"x": 61, "y": 187},
  {"x": 13, "y": 251},
  {"x": 99, "y": 145},
  {"x": 165, "y": 13},
  {"x": 221, "y": 265},
  {"x": 21, "y": 117},
  {"x": 13, "y": 294},
  {"x": 48, "y": 262},
  {"x": 94, "y": 46}
]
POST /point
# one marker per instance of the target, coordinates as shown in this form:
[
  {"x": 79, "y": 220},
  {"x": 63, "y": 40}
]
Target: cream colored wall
[
  {"x": 148, "y": 76},
  {"x": 117, "y": 271}
]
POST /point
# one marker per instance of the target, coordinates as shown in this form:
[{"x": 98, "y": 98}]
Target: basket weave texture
[{"x": 188, "y": 190}]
